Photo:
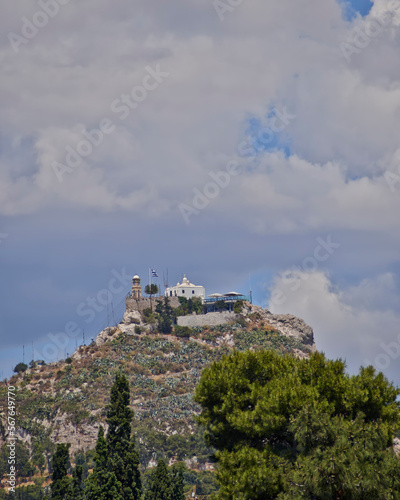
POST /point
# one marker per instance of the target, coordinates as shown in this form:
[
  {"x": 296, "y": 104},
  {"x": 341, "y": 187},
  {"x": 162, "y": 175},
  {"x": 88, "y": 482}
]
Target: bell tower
[{"x": 136, "y": 288}]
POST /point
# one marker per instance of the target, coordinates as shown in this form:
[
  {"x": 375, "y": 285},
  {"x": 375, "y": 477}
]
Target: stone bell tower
[{"x": 136, "y": 288}]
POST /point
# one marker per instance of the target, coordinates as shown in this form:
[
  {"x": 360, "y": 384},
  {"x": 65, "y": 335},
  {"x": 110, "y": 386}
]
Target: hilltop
[{"x": 66, "y": 401}]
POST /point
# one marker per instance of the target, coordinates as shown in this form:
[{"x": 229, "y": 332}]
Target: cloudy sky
[{"x": 250, "y": 144}]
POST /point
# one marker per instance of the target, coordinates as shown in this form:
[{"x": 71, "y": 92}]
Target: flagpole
[{"x": 149, "y": 277}]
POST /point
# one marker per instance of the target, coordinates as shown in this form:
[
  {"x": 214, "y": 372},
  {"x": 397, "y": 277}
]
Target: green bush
[
  {"x": 21, "y": 367},
  {"x": 221, "y": 305},
  {"x": 238, "y": 306},
  {"x": 241, "y": 322},
  {"x": 189, "y": 306},
  {"x": 138, "y": 329},
  {"x": 182, "y": 331}
]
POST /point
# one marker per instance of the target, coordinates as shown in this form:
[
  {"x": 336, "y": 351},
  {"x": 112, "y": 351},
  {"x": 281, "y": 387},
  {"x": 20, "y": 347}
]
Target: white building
[{"x": 186, "y": 289}]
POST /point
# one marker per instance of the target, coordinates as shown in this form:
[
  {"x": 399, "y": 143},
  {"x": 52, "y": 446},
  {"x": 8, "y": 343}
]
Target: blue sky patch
[
  {"x": 353, "y": 7},
  {"x": 266, "y": 134}
]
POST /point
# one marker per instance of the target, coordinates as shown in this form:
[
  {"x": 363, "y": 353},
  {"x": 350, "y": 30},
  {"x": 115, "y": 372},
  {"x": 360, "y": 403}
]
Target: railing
[{"x": 226, "y": 299}]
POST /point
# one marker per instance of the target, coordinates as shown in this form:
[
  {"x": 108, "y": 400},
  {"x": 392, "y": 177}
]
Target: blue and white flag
[{"x": 154, "y": 274}]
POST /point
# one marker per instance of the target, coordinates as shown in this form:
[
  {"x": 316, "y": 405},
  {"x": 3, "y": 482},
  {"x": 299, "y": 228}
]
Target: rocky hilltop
[{"x": 66, "y": 401}]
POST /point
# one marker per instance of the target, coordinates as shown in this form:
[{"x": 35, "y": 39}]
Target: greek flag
[{"x": 154, "y": 274}]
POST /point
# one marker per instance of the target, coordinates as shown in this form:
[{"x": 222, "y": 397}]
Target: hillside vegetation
[{"x": 65, "y": 402}]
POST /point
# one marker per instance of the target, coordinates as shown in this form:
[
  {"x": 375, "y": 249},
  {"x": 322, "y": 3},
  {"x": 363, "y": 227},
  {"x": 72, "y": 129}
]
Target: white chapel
[{"x": 186, "y": 289}]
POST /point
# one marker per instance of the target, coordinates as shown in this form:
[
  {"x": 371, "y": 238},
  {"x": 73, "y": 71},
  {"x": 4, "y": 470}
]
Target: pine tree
[
  {"x": 299, "y": 428},
  {"x": 61, "y": 487},
  {"x": 102, "y": 484},
  {"x": 122, "y": 457}
]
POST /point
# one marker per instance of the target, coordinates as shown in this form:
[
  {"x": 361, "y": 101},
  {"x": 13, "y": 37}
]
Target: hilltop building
[
  {"x": 187, "y": 290},
  {"x": 136, "y": 288}
]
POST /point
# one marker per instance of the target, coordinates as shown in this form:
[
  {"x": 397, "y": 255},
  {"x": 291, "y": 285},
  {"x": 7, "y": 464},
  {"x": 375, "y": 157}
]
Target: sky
[{"x": 247, "y": 144}]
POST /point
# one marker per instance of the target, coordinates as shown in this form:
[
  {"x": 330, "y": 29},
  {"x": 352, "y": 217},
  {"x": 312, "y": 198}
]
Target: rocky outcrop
[
  {"x": 132, "y": 317},
  {"x": 83, "y": 437},
  {"x": 287, "y": 324},
  {"x": 144, "y": 303},
  {"x": 396, "y": 446}
]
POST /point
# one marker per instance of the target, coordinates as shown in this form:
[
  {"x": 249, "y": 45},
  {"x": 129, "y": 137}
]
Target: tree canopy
[
  {"x": 20, "y": 367},
  {"x": 299, "y": 428}
]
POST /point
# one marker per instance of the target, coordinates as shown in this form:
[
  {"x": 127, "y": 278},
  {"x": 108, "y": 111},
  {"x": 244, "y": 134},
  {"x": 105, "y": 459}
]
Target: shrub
[
  {"x": 220, "y": 305},
  {"x": 68, "y": 360},
  {"x": 21, "y": 367},
  {"x": 238, "y": 306},
  {"x": 182, "y": 331},
  {"x": 241, "y": 322},
  {"x": 138, "y": 329}
]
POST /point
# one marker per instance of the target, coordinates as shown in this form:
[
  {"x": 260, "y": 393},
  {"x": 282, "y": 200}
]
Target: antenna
[
  {"x": 83, "y": 337},
  {"x": 32, "y": 353},
  {"x": 165, "y": 281},
  {"x": 251, "y": 294},
  {"x": 113, "y": 317},
  {"x": 23, "y": 354},
  {"x": 108, "y": 316}
]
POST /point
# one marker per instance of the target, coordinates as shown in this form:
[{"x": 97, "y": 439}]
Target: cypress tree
[
  {"x": 61, "y": 487},
  {"x": 77, "y": 482},
  {"x": 102, "y": 484},
  {"x": 177, "y": 483},
  {"x": 165, "y": 485},
  {"x": 123, "y": 458},
  {"x": 160, "y": 484}
]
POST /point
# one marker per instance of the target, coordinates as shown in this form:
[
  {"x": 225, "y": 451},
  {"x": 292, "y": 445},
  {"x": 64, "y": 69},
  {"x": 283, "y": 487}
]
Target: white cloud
[
  {"x": 265, "y": 53},
  {"x": 349, "y": 322}
]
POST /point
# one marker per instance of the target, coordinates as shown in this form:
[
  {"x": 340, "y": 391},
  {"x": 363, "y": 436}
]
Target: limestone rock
[
  {"x": 107, "y": 334},
  {"x": 396, "y": 446},
  {"x": 132, "y": 317},
  {"x": 287, "y": 324}
]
